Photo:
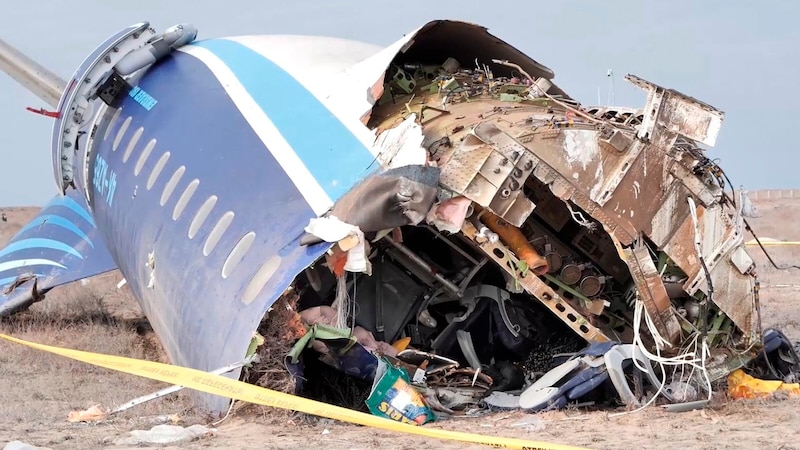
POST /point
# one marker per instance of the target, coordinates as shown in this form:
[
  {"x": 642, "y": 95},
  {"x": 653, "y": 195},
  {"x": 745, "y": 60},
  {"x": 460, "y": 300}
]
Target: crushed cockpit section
[{"x": 541, "y": 254}]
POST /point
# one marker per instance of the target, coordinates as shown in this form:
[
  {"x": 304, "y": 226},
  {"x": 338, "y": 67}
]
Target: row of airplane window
[{"x": 242, "y": 246}]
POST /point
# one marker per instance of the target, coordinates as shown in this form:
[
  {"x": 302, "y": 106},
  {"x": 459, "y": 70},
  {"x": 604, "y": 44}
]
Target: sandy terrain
[{"x": 37, "y": 390}]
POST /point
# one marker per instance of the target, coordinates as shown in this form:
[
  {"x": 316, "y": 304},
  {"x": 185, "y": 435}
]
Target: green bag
[{"x": 394, "y": 398}]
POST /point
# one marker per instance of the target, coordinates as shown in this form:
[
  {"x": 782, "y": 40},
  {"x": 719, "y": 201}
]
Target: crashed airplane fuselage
[{"x": 422, "y": 190}]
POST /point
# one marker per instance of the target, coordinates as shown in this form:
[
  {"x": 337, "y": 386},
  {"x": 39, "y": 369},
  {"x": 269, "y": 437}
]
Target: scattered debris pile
[
  {"x": 776, "y": 370},
  {"x": 536, "y": 253}
]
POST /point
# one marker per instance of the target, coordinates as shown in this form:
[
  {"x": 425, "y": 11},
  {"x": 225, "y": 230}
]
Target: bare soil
[{"x": 38, "y": 390}]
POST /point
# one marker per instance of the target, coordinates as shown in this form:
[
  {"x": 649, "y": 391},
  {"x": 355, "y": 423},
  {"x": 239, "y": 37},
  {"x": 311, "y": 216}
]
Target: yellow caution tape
[{"x": 239, "y": 390}]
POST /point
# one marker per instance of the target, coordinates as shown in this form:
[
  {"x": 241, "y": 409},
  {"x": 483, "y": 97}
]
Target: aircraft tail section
[{"x": 59, "y": 246}]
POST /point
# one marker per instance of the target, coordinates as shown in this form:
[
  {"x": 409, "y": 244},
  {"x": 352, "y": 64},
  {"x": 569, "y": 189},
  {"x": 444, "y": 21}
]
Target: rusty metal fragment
[
  {"x": 653, "y": 292},
  {"x": 601, "y": 191}
]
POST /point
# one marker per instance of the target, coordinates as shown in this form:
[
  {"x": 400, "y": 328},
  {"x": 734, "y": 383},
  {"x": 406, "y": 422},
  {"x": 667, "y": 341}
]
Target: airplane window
[
  {"x": 184, "y": 199},
  {"x": 134, "y": 140},
  {"x": 216, "y": 233},
  {"x": 157, "y": 170},
  {"x": 201, "y": 216},
  {"x": 111, "y": 123},
  {"x": 121, "y": 132},
  {"x": 143, "y": 157},
  {"x": 260, "y": 279},
  {"x": 170, "y": 186},
  {"x": 237, "y": 254}
]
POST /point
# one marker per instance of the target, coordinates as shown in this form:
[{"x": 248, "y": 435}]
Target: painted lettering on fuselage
[
  {"x": 143, "y": 98},
  {"x": 104, "y": 180}
]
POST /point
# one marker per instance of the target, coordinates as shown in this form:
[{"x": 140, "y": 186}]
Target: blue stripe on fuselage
[
  {"x": 332, "y": 154},
  {"x": 73, "y": 205},
  {"x": 30, "y": 243},
  {"x": 53, "y": 219}
]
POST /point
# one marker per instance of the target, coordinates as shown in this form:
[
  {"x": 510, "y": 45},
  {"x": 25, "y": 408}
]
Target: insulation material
[
  {"x": 396, "y": 197},
  {"x": 402, "y": 145},
  {"x": 331, "y": 229},
  {"x": 449, "y": 215}
]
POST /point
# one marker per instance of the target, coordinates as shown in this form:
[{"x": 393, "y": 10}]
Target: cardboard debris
[{"x": 92, "y": 414}]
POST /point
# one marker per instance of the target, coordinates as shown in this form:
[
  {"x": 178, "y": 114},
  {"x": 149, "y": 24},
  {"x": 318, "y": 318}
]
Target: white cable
[
  {"x": 578, "y": 217},
  {"x": 693, "y": 210},
  {"x": 689, "y": 357},
  {"x": 341, "y": 303}
]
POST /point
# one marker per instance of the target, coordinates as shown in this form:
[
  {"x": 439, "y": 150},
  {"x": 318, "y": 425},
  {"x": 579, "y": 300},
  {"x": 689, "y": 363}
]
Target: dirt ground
[{"x": 38, "y": 390}]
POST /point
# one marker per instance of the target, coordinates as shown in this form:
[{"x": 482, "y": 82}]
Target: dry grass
[
  {"x": 281, "y": 328},
  {"x": 38, "y": 390}
]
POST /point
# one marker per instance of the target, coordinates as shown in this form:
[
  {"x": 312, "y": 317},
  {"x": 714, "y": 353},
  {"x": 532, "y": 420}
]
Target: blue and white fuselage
[{"x": 223, "y": 170}]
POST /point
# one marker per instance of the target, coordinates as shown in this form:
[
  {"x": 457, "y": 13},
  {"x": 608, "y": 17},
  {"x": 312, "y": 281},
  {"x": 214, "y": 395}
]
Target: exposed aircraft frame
[{"x": 590, "y": 212}]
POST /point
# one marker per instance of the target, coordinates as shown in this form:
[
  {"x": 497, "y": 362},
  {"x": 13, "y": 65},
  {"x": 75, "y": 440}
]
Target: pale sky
[{"x": 741, "y": 57}]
